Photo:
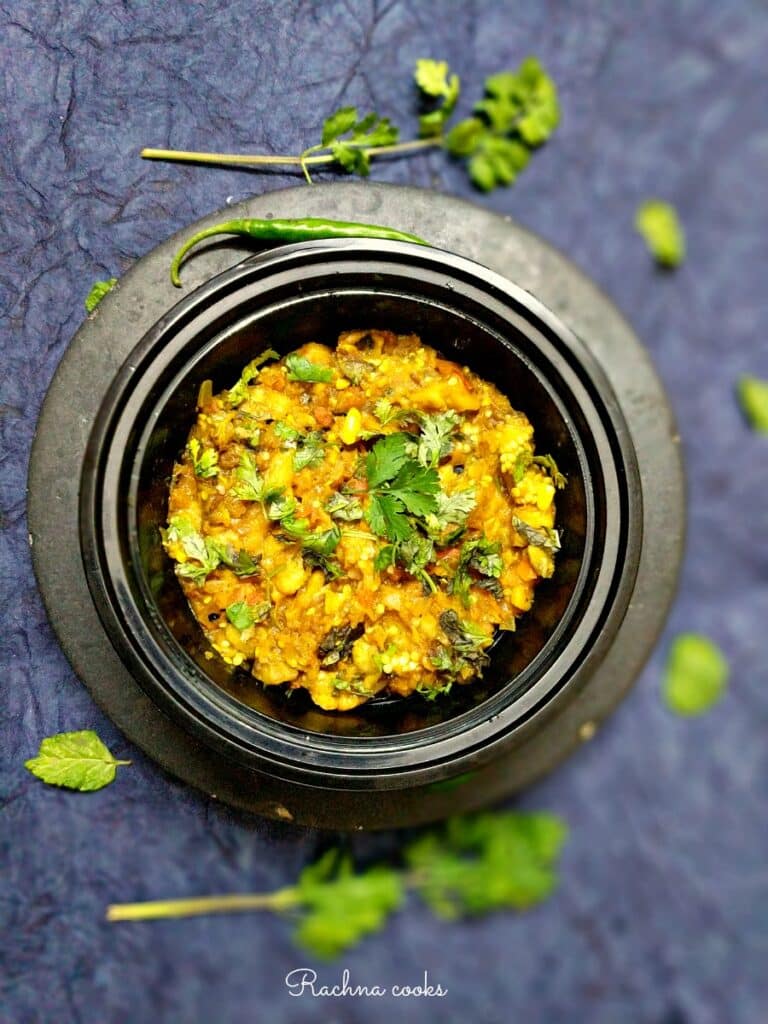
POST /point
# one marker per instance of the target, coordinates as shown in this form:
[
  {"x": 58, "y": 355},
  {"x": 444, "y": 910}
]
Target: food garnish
[
  {"x": 74, "y": 760},
  {"x": 518, "y": 112},
  {"x": 469, "y": 866}
]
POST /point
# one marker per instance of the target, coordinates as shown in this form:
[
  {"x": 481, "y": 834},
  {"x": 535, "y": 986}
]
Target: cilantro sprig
[
  {"x": 518, "y": 112},
  {"x": 398, "y": 484},
  {"x": 472, "y": 865}
]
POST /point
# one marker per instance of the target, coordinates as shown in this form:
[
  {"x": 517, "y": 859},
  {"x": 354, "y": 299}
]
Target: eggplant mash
[{"x": 360, "y": 521}]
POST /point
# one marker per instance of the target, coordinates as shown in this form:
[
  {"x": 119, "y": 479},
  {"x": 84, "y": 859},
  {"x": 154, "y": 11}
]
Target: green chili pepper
[{"x": 290, "y": 231}]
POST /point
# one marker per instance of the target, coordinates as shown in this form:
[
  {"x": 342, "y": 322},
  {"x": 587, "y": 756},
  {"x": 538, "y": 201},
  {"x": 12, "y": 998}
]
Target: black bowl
[{"x": 312, "y": 292}]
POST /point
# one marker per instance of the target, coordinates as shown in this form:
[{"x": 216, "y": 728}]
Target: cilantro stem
[
  {"x": 188, "y": 156},
  {"x": 281, "y": 899}
]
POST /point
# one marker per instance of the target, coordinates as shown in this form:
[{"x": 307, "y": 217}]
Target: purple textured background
[{"x": 661, "y": 916}]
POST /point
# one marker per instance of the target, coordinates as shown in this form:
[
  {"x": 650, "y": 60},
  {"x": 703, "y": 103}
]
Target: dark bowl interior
[{"x": 320, "y": 316}]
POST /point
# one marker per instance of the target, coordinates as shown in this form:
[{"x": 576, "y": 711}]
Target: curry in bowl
[{"x": 360, "y": 521}]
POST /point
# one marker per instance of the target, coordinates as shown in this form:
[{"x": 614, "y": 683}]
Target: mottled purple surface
[{"x": 661, "y": 916}]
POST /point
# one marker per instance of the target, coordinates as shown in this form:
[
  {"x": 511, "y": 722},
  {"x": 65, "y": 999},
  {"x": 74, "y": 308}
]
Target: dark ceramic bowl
[{"x": 312, "y": 292}]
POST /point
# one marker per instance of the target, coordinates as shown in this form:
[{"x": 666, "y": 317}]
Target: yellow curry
[{"x": 360, "y": 521}]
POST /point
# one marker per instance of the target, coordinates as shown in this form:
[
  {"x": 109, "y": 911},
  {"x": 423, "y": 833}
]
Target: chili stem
[
  {"x": 282, "y": 899},
  {"x": 187, "y": 156}
]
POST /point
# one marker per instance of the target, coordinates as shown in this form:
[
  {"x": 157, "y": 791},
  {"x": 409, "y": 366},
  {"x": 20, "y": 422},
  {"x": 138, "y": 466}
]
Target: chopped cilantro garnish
[
  {"x": 435, "y": 441},
  {"x": 243, "y": 615},
  {"x": 539, "y": 537},
  {"x": 239, "y": 392},
  {"x": 301, "y": 369},
  {"x": 205, "y": 461}
]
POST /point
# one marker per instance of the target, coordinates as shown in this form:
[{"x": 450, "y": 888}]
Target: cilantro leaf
[
  {"x": 198, "y": 549},
  {"x": 386, "y": 517},
  {"x": 386, "y": 458},
  {"x": 239, "y": 392},
  {"x": 548, "y": 463},
  {"x": 97, "y": 293},
  {"x": 539, "y": 537},
  {"x": 435, "y": 441},
  {"x": 341, "y": 906},
  {"x": 243, "y": 615},
  {"x": 416, "y": 487},
  {"x": 696, "y": 675},
  {"x": 487, "y": 862},
  {"x": 519, "y": 111},
  {"x": 662, "y": 231},
  {"x": 205, "y": 461},
  {"x": 251, "y": 482},
  {"x": 450, "y": 515},
  {"x": 241, "y": 562},
  {"x": 301, "y": 369},
  {"x": 753, "y": 396},
  {"x": 310, "y": 451},
  {"x": 345, "y": 507},
  {"x": 432, "y": 77},
  {"x": 339, "y": 123},
  {"x": 75, "y": 760}
]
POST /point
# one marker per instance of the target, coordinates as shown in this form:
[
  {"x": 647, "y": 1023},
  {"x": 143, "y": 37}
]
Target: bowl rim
[{"x": 527, "y": 706}]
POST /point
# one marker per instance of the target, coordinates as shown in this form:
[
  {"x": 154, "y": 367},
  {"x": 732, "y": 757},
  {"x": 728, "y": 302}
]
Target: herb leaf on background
[
  {"x": 696, "y": 675},
  {"x": 74, "y": 760}
]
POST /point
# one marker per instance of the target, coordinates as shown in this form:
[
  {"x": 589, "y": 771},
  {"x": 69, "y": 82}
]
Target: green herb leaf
[
  {"x": 97, "y": 293},
  {"x": 753, "y": 396},
  {"x": 386, "y": 517},
  {"x": 487, "y": 862},
  {"x": 539, "y": 537},
  {"x": 520, "y": 110},
  {"x": 436, "y": 433},
  {"x": 342, "y": 906},
  {"x": 696, "y": 675},
  {"x": 662, "y": 231},
  {"x": 240, "y": 562},
  {"x": 416, "y": 487},
  {"x": 386, "y": 458},
  {"x": 337, "y": 643},
  {"x": 339, "y": 123},
  {"x": 205, "y": 461},
  {"x": 251, "y": 482},
  {"x": 548, "y": 463},
  {"x": 243, "y": 615},
  {"x": 345, "y": 507},
  {"x": 75, "y": 760},
  {"x": 450, "y": 516},
  {"x": 205, "y": 554},
  {"x": 310, "y": 451},
  {"x": 237, "y": 394},
  {"x": 434, "y": 80},
  {"x": 301, "y": 369},
  {"x": 466, "y": 646}
]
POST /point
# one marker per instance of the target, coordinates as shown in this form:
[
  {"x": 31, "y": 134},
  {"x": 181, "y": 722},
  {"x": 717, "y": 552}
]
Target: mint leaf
[
  {"x": 97, "y": 293},
  {"x": 753, "y": 397},
  {"x": 696, "y": 675},
  {"x": 301, "y": 369},
  {"x": 75, "y": 760},
  {"x": 662, "y": 231}
]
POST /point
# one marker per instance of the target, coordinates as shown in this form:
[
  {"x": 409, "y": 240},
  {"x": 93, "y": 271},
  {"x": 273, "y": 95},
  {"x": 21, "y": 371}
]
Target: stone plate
[{"x": 145, "y": 294}]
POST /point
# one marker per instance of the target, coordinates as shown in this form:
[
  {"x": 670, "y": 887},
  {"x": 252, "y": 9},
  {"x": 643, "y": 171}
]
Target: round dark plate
[{"x": 145, "y": 295}]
